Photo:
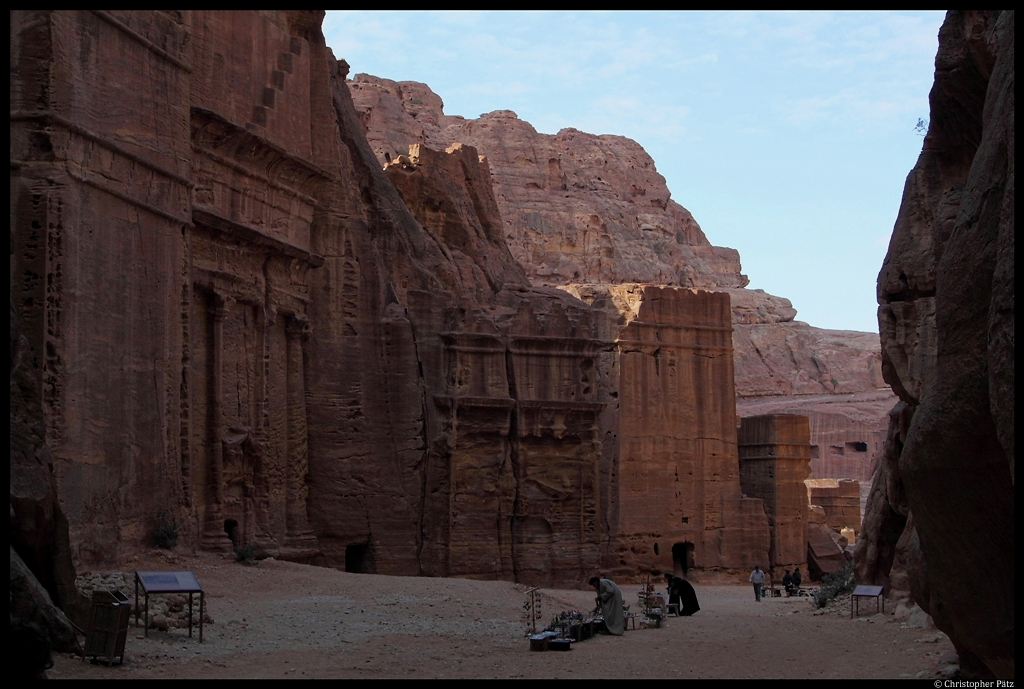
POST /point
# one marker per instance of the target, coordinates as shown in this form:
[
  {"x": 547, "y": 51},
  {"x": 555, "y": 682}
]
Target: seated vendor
[
  {"x": 787, "y": 581},
  {"x": 682, "y": 594}
]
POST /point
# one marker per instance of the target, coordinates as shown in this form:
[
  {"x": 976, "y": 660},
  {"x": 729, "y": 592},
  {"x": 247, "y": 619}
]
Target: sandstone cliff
[
  {"x": 242, "y": 321},
  {"x": 42, "y": 574},
  {"x": 576, "y": 207},
  {"x": 579, "y": 208},
  {"x": 594, "y": 205},
  {"x": 941, "y": 508}
]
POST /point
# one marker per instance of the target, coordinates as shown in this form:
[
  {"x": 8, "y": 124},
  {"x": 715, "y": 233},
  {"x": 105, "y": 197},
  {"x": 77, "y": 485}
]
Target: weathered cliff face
[
  {"x": 172, "y": 262},
  {"x": 775, "y": 456},
  {"x": 669, "y": 467},
  {"x": 450, "y": 193},
  {"x": 576, "y": 207},
  {"x": 241, "y": 323},
  {"x": 580, "y": 208},
  {"x": 42, "y": 574},
  {"x": 610, "y": 418},
  {"x": 945, "y": 297}
]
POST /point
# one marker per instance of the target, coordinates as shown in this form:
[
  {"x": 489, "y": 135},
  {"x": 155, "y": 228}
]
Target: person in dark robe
[
  {"x": 796, "y": 579},
  {"x": 609, "y": 602},
  {"x": 682, "y": 594},
  {"x": 787, "y": 582}
]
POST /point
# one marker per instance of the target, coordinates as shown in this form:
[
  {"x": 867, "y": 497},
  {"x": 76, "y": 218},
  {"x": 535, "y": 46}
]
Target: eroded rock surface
[
  {"x": 579, "y": 208},
  {"x": 669, "y": 467},
  {"x": 247, "y": 326},
  {"x": 775, "y": 457},
  {"x": 576, "y": 207},
  {"x": 42, "y": 593},
  {"x": 945, "y": 296}
]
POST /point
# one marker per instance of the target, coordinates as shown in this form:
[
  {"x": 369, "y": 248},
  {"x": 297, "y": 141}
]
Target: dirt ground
[{"x": 285, "y": 620}]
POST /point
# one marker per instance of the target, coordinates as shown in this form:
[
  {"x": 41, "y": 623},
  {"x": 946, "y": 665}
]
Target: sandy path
[{"x": 280, "y": 619}]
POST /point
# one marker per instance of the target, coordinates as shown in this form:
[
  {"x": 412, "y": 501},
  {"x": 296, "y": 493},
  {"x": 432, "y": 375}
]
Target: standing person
[
  {"x": 757, "y": 579},
  {"x": 787, "y": 582},
  {"x": 609, "y": 600},
  {"x": 681, "y": 592},
  {"x": 796, "y": 579}
]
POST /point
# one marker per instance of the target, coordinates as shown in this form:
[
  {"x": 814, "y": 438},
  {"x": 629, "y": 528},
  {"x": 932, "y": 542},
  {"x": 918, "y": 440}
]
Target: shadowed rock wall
[
  {"x": 774, "y": 454},
  {"x": 943, "y": 501},
  {"x": 580, "y": 208},
  {"x": 239, "y": 323},
  {"x": 100, "y": 196},
  {"x": 669, "y": 469}
]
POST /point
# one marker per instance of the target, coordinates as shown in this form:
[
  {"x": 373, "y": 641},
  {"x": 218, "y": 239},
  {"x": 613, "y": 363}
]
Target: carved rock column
[
  {"x": 298, "y": 535},
  {"x": 775, "y": 455},
  {"x": 214, "y": 536}
]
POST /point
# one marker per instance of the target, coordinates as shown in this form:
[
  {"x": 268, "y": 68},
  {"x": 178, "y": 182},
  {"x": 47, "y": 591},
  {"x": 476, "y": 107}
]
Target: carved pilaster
[
  {"x": 214, "y": 536},
  {"x": 299, "y": 539}
]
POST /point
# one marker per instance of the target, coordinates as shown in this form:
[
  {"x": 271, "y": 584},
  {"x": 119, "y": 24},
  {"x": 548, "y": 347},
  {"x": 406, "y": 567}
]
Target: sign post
[{"x": 169, "y": 582}]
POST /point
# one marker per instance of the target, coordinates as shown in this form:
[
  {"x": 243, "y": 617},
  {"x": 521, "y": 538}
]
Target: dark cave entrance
[
  {"x": 231, "y": 529},
  {"x": 359, "y": 559},
  {"x": 682, "y": 558}
]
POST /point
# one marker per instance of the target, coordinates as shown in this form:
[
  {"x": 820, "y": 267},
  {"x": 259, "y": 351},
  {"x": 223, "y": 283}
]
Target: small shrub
[
  {"x": 832, "y": 585},
  {"x": 165, "y": 533},
  {"x": 245, "y": 554}
]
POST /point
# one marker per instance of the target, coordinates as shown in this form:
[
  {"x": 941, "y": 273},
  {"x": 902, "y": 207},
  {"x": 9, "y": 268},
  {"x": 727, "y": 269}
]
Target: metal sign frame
[
  {"x": 169, "y": 582},
  {"x": 867, "y": 592}
]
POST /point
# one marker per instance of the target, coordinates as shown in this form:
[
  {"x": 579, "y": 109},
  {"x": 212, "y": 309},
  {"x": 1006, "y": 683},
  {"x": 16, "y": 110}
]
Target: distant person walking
[
  {"x": 757, "y": 579},
  {"x": 796, "y": 579}
]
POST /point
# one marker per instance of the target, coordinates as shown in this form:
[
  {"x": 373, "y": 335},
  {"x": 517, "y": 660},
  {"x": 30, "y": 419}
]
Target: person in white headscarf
[{"x": 609, "y": 600}]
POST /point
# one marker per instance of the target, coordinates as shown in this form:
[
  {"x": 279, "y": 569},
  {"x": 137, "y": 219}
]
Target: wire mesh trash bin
[{"x": 111, "y": 612}]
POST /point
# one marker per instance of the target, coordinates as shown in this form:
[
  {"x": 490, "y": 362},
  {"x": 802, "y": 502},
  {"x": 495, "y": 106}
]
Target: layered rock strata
[
  {"x": 669, "y": 467},
  {"x": 579, "y": 208},
  {"x": 576, "y": 207},
  {"x": 41, "y": 571},
  {"x": 943, "y": 503},
  {"x": 775, "y": 455},
  {"x": 241, "y": 326},
  {"x": 840, "y": 500},
  {"x": 847, "y": 432},
  {"x": 629, "y": 396},
  {"x": 162, "y": 246}
]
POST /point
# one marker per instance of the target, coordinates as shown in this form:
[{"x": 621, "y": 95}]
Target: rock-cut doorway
[{"x": 682, "y": 558}]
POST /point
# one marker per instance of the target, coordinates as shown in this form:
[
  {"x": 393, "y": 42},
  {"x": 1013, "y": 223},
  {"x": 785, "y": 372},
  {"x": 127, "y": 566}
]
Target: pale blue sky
[{"x": 787, "y": 135}]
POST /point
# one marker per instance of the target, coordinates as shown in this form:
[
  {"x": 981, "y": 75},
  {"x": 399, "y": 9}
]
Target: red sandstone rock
[
  {"x": 795, "y": 359},
  {"x": 848, "y": 431},
  {"x": 775, "y": 456},
  {"x": 242, "y": 324},
  {"x": 946, "y": 318},
  {"x": 576, "y": 207},
  {"x": 824, "y": 556},
  {"x": 669, "y": 470},
  {"x": 42, "y": 575},
  {"x": 461, "y": 216},
  {"x": 618, "y": 225},
  {"x": 523, "y": 438},
  {"x": 840, "y": 503}
]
